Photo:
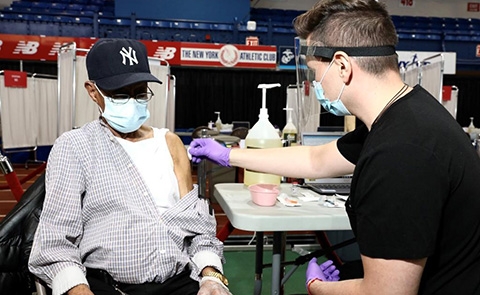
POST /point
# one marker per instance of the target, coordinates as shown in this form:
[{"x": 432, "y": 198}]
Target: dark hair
[{"x": 351, "y": 23}]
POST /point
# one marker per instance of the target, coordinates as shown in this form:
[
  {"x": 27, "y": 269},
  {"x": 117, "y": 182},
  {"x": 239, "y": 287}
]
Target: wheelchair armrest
[{"x": 42, "y": 288}]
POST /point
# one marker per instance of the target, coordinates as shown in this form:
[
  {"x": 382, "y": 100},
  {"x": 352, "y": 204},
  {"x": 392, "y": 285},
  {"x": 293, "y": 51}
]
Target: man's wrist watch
[{"x": 217, "y": 275}]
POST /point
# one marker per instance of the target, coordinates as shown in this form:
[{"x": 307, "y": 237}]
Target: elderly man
[{"x": 121, "y": 215}]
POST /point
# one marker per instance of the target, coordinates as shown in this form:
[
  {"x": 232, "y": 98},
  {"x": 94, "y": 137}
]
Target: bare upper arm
[
  {"x": 181, "y": 163},
  {"x": 327, "y": 161},
  {"x": 392, "y": 276}
]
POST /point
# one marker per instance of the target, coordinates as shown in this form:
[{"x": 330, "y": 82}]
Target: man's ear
[
  {"x": 344, "y": 63},
  {"x": 91, "y": 90}
]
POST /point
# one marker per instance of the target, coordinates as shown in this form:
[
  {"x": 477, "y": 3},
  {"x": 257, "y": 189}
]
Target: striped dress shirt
[{"x": 99, "y": 213}]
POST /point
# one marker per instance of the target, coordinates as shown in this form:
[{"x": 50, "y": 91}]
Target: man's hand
[
  {"x": 208, "y": 148},
  {"x": 326, "y": 271},
  {"x": 211, "y": 287},
  {"x": 80, "y": 290}
]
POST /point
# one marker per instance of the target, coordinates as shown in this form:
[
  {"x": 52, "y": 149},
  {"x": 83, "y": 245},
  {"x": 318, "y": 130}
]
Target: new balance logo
[
  {"x": 29, "y": 48},
  {"x": 55, "y": 48},
  {"x": 130, "y": 54},
  {"x": 165, "y": 52}
]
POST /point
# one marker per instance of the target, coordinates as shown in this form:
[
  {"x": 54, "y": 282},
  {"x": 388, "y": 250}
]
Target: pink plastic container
[{"x": 264, "y": 194}]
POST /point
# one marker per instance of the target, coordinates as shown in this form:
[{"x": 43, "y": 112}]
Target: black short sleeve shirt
[{"x": 416, "y": 192}]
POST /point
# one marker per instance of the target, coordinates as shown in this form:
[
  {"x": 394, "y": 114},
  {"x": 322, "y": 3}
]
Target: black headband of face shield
[{"x": 328, "y": 52}]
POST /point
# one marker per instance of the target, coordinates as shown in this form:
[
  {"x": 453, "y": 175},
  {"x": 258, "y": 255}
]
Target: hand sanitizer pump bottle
[
  {"x": 218, "y": 123},
  {"x": 289, "y": 132},
  {"x": 261, "y": 136}
]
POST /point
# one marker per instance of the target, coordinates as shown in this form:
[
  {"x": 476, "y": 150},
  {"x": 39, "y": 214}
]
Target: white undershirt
[{"x": 153, "y": 160}]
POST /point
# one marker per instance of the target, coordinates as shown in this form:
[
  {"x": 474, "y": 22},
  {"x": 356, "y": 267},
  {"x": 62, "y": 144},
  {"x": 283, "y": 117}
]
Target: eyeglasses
[{"x": 142, "y": 98}]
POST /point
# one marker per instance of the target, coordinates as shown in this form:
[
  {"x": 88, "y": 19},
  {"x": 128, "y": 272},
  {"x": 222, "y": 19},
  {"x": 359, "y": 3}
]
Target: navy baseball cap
[{"x": 116, "y": 63}]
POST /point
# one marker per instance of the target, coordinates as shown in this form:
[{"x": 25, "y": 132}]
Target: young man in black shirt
[{"x": 415, "y": 196}]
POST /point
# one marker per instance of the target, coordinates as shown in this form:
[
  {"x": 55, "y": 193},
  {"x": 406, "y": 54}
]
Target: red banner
[
  {"x": 15, "y": 79},
  {"x": 228, "y": 55},
  {"x": 29, "y": 47}
]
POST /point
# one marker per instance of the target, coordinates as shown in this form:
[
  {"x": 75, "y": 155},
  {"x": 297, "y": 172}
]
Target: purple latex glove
[
  {"x": 326, "y": 271},
  {"x": 207, "y": 148}
]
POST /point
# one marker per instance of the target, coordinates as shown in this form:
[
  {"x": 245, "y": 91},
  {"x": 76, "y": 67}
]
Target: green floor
[{"x": 240, "y": 270}]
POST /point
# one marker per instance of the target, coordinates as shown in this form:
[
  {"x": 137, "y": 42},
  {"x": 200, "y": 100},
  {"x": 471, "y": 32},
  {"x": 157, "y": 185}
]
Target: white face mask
[{"x": 127, "y": 117}]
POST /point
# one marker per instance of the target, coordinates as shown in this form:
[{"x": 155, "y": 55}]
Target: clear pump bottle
[
  {"x": 262, "y": 135},
  {"x": 289, "y": 132},
  {"x": 471, "y": 127},
  {"x": 218, "y": 123}
]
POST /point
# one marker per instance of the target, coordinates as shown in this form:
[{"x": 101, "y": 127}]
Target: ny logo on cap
[{"x": 130, "y": 54}]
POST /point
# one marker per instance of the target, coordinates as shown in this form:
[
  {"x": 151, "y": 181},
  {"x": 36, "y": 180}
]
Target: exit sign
[
  {"x": 407, "y": 3},
  {"x": 473, "y": 6}
]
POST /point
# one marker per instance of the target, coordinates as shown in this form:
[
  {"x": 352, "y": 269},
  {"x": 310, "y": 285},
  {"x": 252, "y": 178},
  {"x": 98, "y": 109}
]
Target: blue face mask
[
  {"x": 127, "y": 117},
  {"x": 336, "y": 107}
]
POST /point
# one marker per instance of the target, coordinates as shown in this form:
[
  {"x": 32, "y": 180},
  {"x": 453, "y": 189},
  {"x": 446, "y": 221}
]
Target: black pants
[{"x": 180, "y": 284}]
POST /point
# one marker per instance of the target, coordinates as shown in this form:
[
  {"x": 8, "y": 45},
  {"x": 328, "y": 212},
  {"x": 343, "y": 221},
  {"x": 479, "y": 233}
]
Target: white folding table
[{"x": 243, "y": 214}]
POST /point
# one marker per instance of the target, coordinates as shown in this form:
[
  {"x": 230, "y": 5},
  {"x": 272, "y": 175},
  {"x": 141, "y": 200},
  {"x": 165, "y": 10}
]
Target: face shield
[
  {"x": 305, "y": 75},
  {"x": 306, "y": 53},
  {"x": 305, "y": 108}
]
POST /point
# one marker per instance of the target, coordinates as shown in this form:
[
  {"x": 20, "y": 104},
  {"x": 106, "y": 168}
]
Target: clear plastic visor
[
  {"x": 305, "y": 74},
  {"x": 306, "y": 109},
  {"x": 306, "y": 53}
]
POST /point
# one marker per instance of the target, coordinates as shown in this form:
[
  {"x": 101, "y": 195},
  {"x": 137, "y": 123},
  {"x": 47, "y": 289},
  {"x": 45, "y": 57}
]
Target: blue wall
[{"x": 199, "y": 10}]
